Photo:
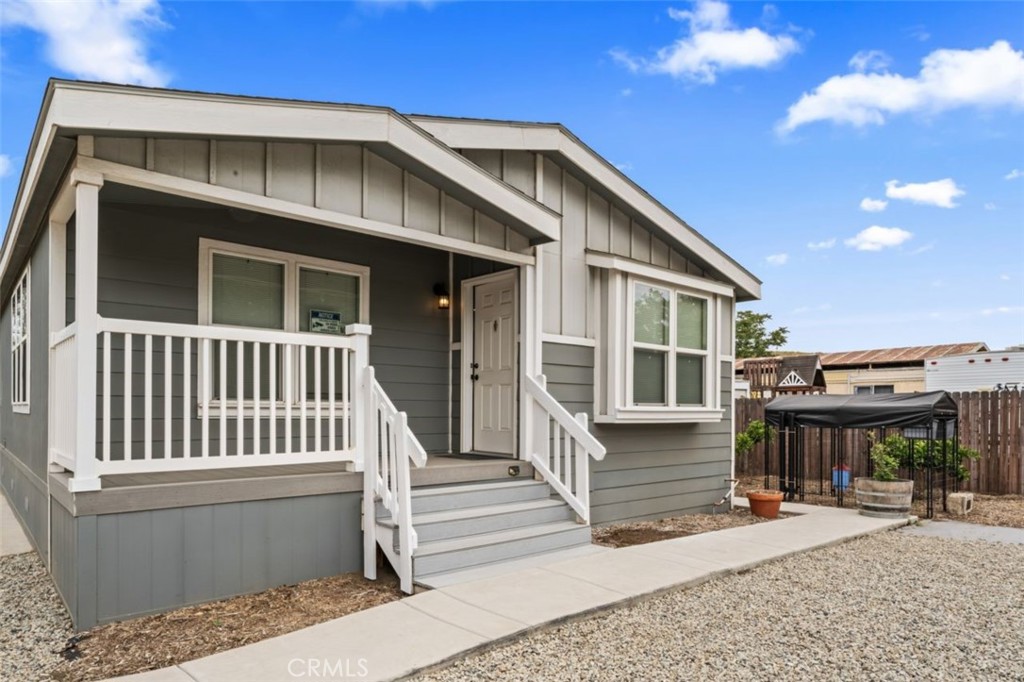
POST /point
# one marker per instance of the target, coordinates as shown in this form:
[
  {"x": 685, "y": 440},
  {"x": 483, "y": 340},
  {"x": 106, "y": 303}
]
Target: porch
[{"x": 194, "y": 389}]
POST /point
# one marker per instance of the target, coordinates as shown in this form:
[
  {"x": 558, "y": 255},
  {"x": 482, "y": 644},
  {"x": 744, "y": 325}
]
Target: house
[
  {"x": 767, "y": 377},
  {"x": 256, "y": 341},
  {"x": 876, "y": 371},
  {"x": 982, "y": 371}
]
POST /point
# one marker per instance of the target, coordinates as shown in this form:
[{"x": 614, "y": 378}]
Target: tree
[{"x": 753, "y": 340}]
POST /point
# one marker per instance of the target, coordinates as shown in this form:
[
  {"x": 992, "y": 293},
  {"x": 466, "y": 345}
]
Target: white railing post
[
  {"x": 404, "y": 495},
  {"x": 87, "y": 194},
  {"x": 583, "y": 470},
  {"x": 364, "y": 440}
]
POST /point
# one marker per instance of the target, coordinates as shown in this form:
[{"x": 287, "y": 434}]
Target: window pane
[
  {"x": 691, "y": 322},
  {"x": 862, "y": 390},
  {"x": 649, "y": 377},
  {"x": 328, "y": 292},
  {"x": 650, "y": 315},
  {"x": 879, "y": 390},
  {"x": 689, "y": 380},
  {"x": 248, "y": 292}
]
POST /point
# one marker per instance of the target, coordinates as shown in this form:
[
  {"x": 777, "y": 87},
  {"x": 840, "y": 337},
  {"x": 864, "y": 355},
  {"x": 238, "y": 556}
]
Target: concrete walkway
[
  {"x": 427, "y": 629},
  {"x": 12, "y": 536}
]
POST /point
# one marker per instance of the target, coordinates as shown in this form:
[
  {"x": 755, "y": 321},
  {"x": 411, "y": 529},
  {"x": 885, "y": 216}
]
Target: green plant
[
  {"x": 756, "y": 432},
  {"x": 886, "y": 459},
  {"x": 753, "y": 339},
  {"x": 895, "y": 452}
]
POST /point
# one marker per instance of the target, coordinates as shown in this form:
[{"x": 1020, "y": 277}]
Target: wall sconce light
[{"x": 444, "y": 299}]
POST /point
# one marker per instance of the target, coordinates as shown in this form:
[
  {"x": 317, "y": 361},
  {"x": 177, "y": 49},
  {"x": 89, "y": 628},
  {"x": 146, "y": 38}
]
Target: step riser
[
  {"x": 476, "y": 498},
  {"x": 445, "y": 530},
  {"x": 476, "y": 556}
]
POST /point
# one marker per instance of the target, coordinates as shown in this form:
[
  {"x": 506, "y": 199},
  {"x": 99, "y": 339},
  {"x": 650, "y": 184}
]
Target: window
[
  {"x": 663, "y": 341},
  {"x": 881, "y": 389},
  {"x": 250, "y": 287},
  {"x": 21, "y": 373},
  {"x": 670, "y": 347}
]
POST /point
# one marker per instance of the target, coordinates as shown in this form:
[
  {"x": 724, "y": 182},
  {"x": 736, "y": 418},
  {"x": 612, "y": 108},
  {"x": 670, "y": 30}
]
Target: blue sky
[{"x": 765, "y": 126}]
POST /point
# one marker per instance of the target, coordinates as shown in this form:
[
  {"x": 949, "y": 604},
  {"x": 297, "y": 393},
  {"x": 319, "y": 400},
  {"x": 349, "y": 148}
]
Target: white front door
[{"x": 493, "y": 369}]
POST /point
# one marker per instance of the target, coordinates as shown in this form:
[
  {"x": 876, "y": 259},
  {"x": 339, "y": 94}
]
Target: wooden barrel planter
[{"x": 884, "y": 499}]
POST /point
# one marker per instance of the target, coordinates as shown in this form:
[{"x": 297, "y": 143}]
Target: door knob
[{"x": 474, "y": 377}]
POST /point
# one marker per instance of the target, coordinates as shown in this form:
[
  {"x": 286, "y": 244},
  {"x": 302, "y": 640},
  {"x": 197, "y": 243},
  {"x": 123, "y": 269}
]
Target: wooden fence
[{"x": 991, "y": 422}]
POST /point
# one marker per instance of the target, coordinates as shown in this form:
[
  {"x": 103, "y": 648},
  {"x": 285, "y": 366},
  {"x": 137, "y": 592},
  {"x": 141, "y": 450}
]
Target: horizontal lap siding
[
  {"x": 135, "y": 563},
  {"x": 651, "y": 470},
  {"x": 149, "y": 271}
]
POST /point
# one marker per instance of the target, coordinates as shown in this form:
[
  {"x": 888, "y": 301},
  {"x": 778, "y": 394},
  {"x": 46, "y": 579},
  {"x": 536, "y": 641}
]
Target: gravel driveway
[
  {"x": 887, "y": 607},
  {"x": 33, "y": 621}
]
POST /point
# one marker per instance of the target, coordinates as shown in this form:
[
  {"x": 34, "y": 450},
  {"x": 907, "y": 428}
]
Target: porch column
[
  {"x": 87, "y": 195},
  {"x": 530, "y": 316}
]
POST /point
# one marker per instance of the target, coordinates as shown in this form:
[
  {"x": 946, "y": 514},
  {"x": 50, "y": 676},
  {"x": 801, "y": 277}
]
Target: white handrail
[
  {"x": 561, "y": 455},
  {"x": 391, "y": 445}
]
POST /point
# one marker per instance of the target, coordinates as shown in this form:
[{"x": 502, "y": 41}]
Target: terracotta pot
[
  {"x": 884, "y": 499},
  {"x": 765, "y": 503}
]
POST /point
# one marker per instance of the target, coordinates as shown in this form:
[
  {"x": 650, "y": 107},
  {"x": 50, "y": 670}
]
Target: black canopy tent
[{"x": 931, "y": 417}]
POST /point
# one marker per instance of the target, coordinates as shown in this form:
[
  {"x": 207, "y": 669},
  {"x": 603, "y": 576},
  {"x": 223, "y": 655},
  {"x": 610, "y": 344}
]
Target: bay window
[{"x": 663, "y": 341}]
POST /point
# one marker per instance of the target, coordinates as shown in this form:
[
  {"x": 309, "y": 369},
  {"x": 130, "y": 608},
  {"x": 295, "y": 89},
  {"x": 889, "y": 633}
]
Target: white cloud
[
  {"x": 949, "y": 79},
  {"x": 923, "y": 249},
  {"x": 919, "y": 32},
  {"x": 626, "y": 92},
  {"x": 876, "y": 238},
  {"x": 1004, "y": 277},
  {"x": 939, "y": 193},
  {"x": 777, "y": 259},
  {"x": 989, "y": 206},
  {"x": 5, "y": 165},
  {"x": 873, "y": 205},
  {"x": 712, "y": 44},
  {"x": 1013, "y": 175},
  {"x": 870, "y": 60},
  {"x": 96, "y": 39},
  {"x": 624, "y": 167},
  {"x": 1003, "y": 310},
  {"x": 822, "y": 245}
]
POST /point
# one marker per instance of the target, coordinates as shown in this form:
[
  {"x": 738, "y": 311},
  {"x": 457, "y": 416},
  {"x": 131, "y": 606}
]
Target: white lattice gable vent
[{"x": 793, "y": 379}]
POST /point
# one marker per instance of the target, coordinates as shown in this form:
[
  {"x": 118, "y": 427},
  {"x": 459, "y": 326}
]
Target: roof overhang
[
  {"x": 72, "y": 108},
  {"x": 555, "y": 139}
]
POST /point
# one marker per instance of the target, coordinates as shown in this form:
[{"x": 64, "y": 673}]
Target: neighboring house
[
  {"x": 877, "y": 371},
  {"x": 768, "y": 377},
  {"x": 985, "y": 371},
  {"x": 253, "y": 340}
]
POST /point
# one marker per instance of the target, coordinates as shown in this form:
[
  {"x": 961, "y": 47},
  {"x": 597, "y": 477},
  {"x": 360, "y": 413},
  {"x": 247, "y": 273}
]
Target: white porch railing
[
  {"x": 561, "y": 447},
  {"x": 64, "y": 396},
  {"x": 386, "y": 478},
  {"x": 177, "y": 397}
]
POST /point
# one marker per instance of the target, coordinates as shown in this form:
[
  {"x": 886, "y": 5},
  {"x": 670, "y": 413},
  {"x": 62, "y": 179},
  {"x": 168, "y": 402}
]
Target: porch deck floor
[{"x": 449, "y": 623}]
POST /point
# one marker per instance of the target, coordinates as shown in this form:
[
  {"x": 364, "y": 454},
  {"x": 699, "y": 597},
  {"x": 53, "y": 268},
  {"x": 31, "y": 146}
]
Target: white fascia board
[
  {"x": 470, "y": 134},
  {"x": 42, "y": 139},
  {"x": 415, "y": 142},
  {"x": 601, "y": 260}
]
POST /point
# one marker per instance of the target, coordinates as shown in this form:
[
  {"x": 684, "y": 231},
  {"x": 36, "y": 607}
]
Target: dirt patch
[
  {"x": 169, "y": 638},
  {"x": 642, "y": 532},
  {"x": 989, "y": 510}
]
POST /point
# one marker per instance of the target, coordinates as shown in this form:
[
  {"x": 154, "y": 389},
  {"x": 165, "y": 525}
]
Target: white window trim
[
  {"x": 619, "y": 338},
  {"x": 292, "y": 263},
  {"x": 24, "y": 289}
]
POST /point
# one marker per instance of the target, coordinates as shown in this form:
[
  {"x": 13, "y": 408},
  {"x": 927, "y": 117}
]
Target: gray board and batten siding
[
  {"x": 116, "y": 566},
  {"x": 651, "y": 471},
  {"x": 591, "y": 221},
  {"x": 346, "y": 178},
  {"x": 23, "y": 437}
]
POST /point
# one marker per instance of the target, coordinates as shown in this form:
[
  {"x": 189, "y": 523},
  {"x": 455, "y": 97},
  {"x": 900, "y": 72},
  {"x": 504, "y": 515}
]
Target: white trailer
[{"x": 988, "y": 371}]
